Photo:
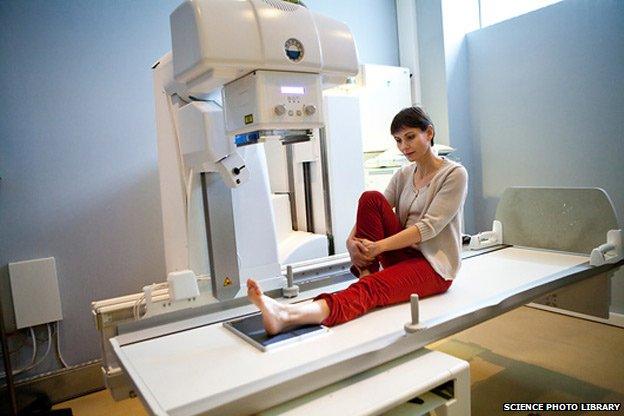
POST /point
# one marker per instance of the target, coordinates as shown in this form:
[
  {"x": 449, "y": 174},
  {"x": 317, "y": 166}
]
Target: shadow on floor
[{"x": 497, "y": 380}]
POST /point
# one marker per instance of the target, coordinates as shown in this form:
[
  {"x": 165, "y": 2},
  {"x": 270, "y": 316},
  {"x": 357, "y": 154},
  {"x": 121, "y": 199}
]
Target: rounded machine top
[{"x": 217, "y": 41}]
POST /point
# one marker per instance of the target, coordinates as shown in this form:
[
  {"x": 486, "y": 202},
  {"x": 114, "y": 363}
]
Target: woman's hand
[
  {"x": 357, "y": 252},
  {"x": 372, "y": 248}
]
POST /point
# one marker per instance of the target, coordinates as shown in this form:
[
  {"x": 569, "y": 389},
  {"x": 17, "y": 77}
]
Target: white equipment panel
[
  {"x": 209, "y": 369},
  {"x": 413, "y": 375},
  {"x": 267, "y": 100},
  {"x": 386, "y": 92},
  {"x": 36, "y": 297}
]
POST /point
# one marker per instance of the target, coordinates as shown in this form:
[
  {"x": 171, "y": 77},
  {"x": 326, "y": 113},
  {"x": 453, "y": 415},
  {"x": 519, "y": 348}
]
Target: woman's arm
[
  {"x": 444, "y": 206},
  {"x": 405, "y": 238},
  {"x": 357, "y": 251}
]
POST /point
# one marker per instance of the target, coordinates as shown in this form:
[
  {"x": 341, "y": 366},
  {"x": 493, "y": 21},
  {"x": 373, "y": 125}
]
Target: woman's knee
[
  {"x": 437, "y": 287},
  {"x": 446, "y": 285},
  {"x": 371, "y": 196}
]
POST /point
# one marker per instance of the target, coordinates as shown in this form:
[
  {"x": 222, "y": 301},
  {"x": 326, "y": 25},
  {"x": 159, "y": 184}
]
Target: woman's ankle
[{"x": 364, "y": 272}]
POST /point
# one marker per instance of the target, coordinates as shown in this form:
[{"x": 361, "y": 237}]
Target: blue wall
[
  {"x": 547, "y": 105},
  {"x": 78, "y": 154},
  {"x": 373, "y": 24}
]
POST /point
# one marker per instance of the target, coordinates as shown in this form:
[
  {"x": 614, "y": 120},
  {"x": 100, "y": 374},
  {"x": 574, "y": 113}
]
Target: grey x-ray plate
[{"x": 252, "y": 331}]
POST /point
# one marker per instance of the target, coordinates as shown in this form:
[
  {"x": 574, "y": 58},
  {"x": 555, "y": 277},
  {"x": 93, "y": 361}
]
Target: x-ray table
[{"x": 209, "y": 370}]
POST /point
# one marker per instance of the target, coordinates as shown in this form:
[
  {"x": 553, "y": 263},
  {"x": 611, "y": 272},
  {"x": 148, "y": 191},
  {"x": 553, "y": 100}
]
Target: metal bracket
[
  {"x": 609, "y": 253},
  {"x": 487, "y": 238}
]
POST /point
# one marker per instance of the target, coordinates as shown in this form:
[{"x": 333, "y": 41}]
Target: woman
[{"x": 418, "y": 245}]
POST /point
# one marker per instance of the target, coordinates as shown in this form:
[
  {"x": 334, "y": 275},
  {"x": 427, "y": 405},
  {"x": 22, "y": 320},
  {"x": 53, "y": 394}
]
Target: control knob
[
  {"x": 309, "y": 110},
  {"x": 280, "y": 110}
]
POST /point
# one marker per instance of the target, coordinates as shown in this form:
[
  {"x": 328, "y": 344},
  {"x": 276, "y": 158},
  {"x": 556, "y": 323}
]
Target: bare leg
[{"x": 278, "y": 317}]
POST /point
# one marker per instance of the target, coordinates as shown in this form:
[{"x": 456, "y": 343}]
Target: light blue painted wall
[
  {"x": 547, "y": 105},
  {"x": 460, "y": 17},
  {"x": 373, "y": 24},
  {"x": 78, "y": 159},
  {"x": 78, "y": 154}
]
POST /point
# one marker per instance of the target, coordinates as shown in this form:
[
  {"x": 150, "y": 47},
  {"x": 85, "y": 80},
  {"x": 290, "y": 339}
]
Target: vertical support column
[
  {"x": 291, "y": 186},
  {"x": 307, "y": 191},
  {"x": 222, "y": 249},
  {"x": 331, "y": 250}
]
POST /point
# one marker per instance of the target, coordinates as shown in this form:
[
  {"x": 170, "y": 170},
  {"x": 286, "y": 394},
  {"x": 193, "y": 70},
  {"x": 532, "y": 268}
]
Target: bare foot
[{"x": 274, "y": 314}]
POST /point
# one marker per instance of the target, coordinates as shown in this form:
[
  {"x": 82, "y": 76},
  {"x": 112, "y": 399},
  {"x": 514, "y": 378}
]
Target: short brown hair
[{"x": 411, "y": 117}]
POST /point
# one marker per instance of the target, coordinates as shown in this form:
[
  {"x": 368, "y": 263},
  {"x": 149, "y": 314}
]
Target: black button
[{"x": 236, "y": 171}]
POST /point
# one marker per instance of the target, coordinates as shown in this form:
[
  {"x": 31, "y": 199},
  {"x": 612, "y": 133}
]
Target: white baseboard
[{"x": 615, "y": 319}]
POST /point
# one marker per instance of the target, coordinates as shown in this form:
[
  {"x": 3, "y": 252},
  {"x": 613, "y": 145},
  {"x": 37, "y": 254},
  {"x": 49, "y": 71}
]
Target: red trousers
[{"x": 405, "y": 271}]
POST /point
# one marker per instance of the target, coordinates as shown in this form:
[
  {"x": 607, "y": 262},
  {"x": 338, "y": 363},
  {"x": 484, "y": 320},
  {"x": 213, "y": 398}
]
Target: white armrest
[
  {"x": 609, "y": 253},
  {"x": 487, "y": 238}
]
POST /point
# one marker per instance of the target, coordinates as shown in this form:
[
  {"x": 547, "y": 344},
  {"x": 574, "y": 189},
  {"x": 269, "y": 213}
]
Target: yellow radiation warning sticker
[
  {"x": 227, "y": 281},
  {"x": 248, "y": 119}
]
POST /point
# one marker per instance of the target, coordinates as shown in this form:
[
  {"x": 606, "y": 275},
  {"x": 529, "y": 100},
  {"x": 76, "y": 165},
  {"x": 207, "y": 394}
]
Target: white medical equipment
[
  {"x": 196, "y": 366},
  {"x": 272, "y": 58}
]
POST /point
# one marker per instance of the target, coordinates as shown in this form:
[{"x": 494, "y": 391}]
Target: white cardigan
[{"x": 440, "y": 223}]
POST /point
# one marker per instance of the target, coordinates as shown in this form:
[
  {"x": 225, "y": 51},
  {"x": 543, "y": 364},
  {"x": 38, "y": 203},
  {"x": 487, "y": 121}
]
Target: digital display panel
[{"x": 293, "y": 90}]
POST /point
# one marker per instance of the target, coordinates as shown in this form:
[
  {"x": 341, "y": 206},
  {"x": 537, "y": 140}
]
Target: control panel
[{"x": 273, "y": 100}]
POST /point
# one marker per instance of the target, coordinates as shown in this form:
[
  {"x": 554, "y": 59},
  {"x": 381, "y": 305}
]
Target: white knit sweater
[{"x": 440, "y": 222}]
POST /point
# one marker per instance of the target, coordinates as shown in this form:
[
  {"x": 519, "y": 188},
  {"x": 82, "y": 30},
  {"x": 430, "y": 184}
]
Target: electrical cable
[
  {"x": 44, "y": 355},
  {"x": 136, "y": 308},
  {"x": 58, "y": 344},
  {"x": 53, "y": 334},
  {"x": 22, "y": 343},
  {"x": 34, "y": 351},
  {"x": 32, "y": 363}
]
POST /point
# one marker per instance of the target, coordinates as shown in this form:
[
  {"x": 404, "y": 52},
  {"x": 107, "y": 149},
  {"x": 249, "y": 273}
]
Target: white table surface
[{"x": 203, "y": 367}]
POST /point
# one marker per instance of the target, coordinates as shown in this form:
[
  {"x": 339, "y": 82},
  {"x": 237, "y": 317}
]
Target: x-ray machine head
[{"x": 270, "y": 60}]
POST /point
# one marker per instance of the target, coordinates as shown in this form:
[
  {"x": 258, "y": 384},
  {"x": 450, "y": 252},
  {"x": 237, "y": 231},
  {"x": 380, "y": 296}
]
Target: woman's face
[{"x": 413, "y": 142}]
